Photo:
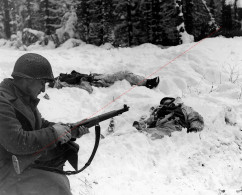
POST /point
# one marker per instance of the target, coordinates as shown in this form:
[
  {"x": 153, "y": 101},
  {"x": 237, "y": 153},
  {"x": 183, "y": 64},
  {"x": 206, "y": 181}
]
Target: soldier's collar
[{"x": 26, "y": 98}]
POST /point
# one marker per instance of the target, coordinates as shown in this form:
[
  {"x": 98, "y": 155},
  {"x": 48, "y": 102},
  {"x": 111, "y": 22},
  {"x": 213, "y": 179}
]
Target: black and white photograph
[{"x": 120, "y": 97}]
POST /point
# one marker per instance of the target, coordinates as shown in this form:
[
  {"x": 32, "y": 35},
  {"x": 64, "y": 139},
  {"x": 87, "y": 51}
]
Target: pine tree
[
  {"x": 44, "y": 12},
  {"x": 209, "y": 26},
  {"x": 6, "y": 18},
  {"x": 142, "y": 22},
  {"x": 146, "y": 22},
  {"x": 240, "y": 17},
  {"x": 37, "y": 19},
  {"x": 96, "y": 18},
  {"x": 21, "y": 14},
  {"x": 212, "y": 6},
  {"x": 18, "y": 16},
  {"x": 129, "y": 22},
  {"x": 34, "y": 19},
  {"x": 226, "y": 16},
  {"x": 25, "y": 14},
  {"x": 53, "y": 13},
  {"x": 169, "y": 22},
  {"x": 237, "y": 22},
  {"x": 188, "y": 18},
  {"x": 154, "y": 32},
  {"x": 107, "y": 21},
  {"x": 157, "y": 23},
  {"x": 28, "y": 5},
  {"x": 83, "y": 13},
  {"x": 235, "y": 9},
  {"x": 2, "y": 34},
  {"x": 180, "y": 21},
  {"x": 94, "y": 21},
  {"x": 122, "y": 26},
  {"x": 13, "y": 16}
]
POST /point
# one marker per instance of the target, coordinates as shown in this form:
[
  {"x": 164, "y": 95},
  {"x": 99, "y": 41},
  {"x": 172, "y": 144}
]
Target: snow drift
[{"x": 207, "y": 77}]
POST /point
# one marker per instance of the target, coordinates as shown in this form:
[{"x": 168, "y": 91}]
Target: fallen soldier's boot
[{"x": 152, "y": 83}]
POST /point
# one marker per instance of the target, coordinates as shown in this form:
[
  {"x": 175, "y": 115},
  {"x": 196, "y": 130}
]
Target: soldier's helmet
[{"x": 33, "y": 66}]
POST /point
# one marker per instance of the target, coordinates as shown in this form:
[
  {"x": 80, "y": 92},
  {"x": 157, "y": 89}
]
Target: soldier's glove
[
  {"x": 78, "y": 131},
  {"x": 82, "y": 131},
  {"x": 63, "y": 132}
]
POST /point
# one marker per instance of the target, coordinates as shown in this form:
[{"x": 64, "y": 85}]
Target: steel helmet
[{"x": 34, "y": 66}]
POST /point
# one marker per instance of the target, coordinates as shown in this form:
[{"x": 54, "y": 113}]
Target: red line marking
[{"x": 129, "y": 89}]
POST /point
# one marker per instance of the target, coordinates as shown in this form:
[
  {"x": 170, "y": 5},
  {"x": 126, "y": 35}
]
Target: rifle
[{"x": 21, "y": 162}]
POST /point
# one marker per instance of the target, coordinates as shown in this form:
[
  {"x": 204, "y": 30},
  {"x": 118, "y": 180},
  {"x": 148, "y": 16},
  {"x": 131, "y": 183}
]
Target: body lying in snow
[
  {"x": 85, "y": 81},
  {"x": 171, "y": 115}
]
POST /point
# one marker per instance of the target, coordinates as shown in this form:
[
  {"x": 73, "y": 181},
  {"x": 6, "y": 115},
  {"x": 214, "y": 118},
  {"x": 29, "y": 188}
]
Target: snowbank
[{"x": 129, "y": 162}]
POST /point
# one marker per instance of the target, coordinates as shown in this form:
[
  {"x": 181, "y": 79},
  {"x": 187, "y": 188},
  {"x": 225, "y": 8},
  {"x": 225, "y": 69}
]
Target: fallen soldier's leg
[{"x": 133, "y": 79}]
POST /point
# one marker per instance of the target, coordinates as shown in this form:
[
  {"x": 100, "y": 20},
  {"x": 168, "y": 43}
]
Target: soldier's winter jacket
[
  {"x": 163, "y": 121},
  {"x": 22, "y": 132}
]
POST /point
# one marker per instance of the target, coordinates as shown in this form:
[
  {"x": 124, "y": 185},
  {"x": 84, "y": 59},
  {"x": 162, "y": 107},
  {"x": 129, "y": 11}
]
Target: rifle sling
[{"x": 97, "y": 139}]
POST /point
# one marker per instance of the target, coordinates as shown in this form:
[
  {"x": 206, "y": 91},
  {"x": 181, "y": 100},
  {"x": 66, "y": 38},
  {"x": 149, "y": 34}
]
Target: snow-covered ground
[{"x": 128, "y": 162}]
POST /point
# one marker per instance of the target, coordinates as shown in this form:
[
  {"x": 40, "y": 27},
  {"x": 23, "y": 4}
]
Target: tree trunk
[
  {"x": 6, "y": 19},
  {"x": 47, "y": 22},
  {"x": 226, "y": 16},
  {"x": 208, "y": 10},
  {"x": 188, "y": 17},
  {"x": 235, "y": 9},
  {"x": 29, "y": 14},
  {"x": 130, "y": 30}
]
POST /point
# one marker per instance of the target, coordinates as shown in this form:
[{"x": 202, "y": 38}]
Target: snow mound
[{"x": 129, "y": 162}]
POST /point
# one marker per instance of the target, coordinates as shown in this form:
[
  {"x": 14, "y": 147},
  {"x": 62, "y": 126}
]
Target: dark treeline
[{"x": 120, "y": 22}]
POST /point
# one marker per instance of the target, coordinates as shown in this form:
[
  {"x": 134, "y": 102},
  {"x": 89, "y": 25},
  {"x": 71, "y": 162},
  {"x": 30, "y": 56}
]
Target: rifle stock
[{"x": 21, "y": 162}]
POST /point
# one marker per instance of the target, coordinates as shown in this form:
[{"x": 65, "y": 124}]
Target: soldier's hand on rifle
[
  {"x": 77, "y": 130},
  {"x": 81, "y": 131},
  {"x": 63, "y": 132}
]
